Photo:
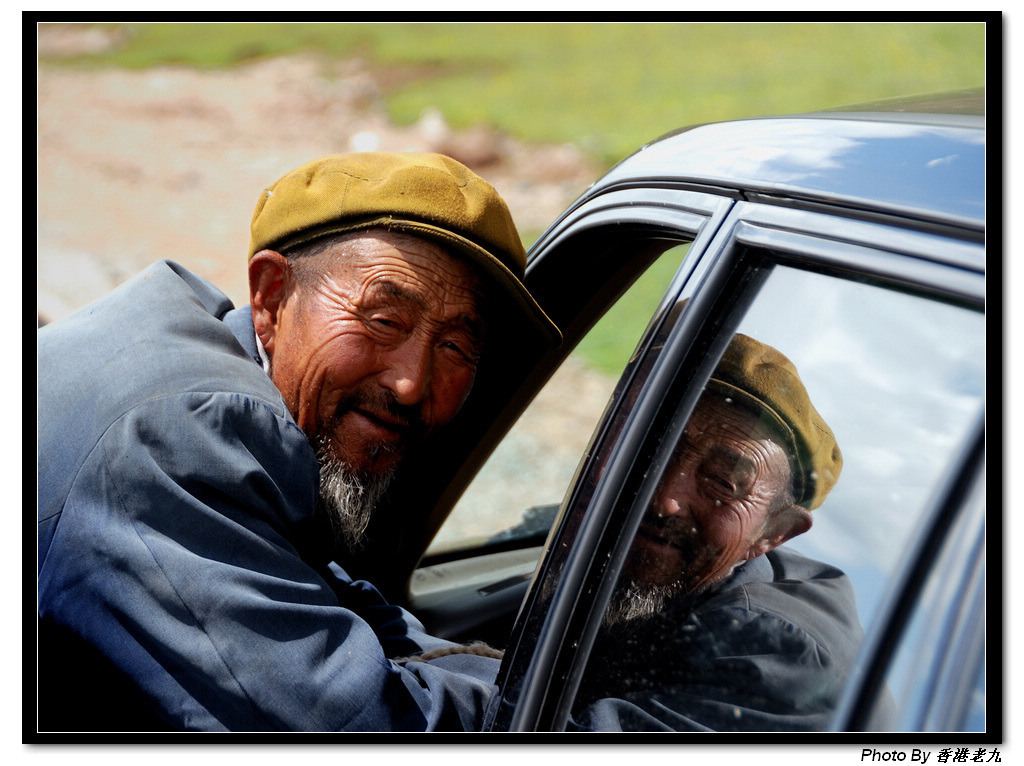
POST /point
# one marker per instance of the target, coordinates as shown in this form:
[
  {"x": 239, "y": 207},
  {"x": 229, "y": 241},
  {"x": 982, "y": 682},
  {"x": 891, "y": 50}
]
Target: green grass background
[{"x": 605, "y": 87}]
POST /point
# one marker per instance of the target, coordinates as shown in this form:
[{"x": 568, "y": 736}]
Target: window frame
[
  {"x": 670, "y": 216},
  {"x": 572, "y": 293},
  {"x": 547, "y": 667}
]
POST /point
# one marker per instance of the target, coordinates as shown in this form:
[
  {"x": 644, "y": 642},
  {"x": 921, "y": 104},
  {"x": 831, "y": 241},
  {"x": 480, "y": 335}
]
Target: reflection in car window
[
  {"x": 796, "y": 487},
  {"x": 527, "y": 476},
  {"x": 943, "y": 640}
]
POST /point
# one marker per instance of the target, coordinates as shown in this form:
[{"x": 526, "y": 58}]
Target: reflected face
[
  {"x": 378, "y": 347},
  {"x": 713, "y": 507}
]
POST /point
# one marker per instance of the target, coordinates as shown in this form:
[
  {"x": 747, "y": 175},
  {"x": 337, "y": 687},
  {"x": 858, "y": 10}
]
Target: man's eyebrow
[
  {"x": 389, "y": 289},
  {"x": 471, "y": 323},
  {"x": 734, "y": 457}
]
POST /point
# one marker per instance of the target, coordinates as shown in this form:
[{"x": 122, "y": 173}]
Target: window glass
[
  {"x": 937, "y": 673},
  {"x": 921, "y": 657},
  {"x": 788, "y": 505},
  {"x": 523, "y": 482}
]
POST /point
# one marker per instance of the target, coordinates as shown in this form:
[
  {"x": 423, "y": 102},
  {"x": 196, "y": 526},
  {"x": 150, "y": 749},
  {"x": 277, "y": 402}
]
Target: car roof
[{"x": 920, "y": 158}]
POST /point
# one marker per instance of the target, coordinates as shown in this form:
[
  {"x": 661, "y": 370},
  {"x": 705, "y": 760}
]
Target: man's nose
[
  {"x": 408, "y": 372},
  {"x": 671, "y": 498},
  {"x": 667, "y": 504}
]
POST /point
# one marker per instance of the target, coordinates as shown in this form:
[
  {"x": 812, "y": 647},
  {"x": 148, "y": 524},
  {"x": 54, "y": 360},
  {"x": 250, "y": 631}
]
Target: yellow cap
[
  {"x": 762, "y": 378},
  {"x": 426, "y": 195}
]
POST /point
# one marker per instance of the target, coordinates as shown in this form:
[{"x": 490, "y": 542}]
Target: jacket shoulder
[{"x": 158, "y": 335}]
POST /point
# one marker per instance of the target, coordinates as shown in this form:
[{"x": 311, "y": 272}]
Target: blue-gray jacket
[
  {"x": 181, "y": 583},
  {"x": 769, "y": 650}
]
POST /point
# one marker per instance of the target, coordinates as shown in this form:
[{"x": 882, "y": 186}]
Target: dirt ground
[
  {"x": 135, "y": 166},
  {"x": 168, "y": 162}
]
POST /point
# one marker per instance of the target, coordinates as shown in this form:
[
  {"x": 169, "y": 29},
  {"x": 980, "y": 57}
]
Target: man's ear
[
  {"x": 787, "y": 523},
  {"x": 270, "y": 282}
]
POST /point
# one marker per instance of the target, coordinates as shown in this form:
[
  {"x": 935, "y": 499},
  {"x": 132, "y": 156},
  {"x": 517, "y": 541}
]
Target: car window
[
  {"x": 520, "y": 487},
  {"x": 719, "y": 619},
  {"x": 937, "y": 672}
]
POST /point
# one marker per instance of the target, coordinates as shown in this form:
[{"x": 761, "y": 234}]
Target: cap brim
[
  {"x": 752, "y": 402},
  {"x": 510, "y": 286}
]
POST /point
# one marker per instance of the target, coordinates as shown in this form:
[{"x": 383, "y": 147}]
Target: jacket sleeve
[
  {"x": 175, "y": 556},
  {"x": 727, "y": 669}
]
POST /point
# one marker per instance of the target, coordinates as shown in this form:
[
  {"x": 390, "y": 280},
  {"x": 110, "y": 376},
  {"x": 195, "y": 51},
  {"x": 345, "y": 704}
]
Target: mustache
[
  {"x": 381, "y": 404},
  {"x": 678, "y": 532}
]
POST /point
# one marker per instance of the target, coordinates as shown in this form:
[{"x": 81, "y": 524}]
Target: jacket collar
[{"x": 239, "y": 321}]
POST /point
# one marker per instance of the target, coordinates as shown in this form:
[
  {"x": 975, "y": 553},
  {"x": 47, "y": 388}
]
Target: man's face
[
  {"x": 712, "y": 507},
  {"x": 377, "y": 348}
]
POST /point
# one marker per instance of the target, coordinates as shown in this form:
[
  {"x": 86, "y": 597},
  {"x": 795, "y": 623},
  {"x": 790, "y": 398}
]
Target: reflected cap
[{"x": 761, "y": 378}]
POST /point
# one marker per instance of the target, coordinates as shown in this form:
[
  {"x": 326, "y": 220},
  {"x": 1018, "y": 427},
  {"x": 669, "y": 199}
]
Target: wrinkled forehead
[
  {"x": 370, "y": 244},
  {"x": 378, "y": 255},
  {"x": 719, "y": 415},
  {"x": 424, "y": 261}
]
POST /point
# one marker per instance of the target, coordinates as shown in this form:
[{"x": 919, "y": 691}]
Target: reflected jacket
[
  {"x": 769, "y": 650},
  {"x": 181, "y": 580}
]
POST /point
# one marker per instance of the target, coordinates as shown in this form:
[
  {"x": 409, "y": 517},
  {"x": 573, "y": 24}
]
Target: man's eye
[
  {"x": 465, "y": 350},
  {"x": 717, "y": 483},
  {"x": 720, "y": 482},
  {"x": 386, "y": 323}
]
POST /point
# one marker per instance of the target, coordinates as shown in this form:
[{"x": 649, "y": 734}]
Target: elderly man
[
  {"x": 714, "y": 627},
  {"x": 200, "y": 466}
]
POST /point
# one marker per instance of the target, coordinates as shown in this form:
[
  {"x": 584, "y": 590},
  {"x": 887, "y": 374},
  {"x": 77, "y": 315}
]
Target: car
[{"x": 853, "y": 241}]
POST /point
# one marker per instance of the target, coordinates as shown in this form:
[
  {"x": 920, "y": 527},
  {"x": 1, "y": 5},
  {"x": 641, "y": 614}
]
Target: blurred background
[{"x": 155, "y": 141}]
